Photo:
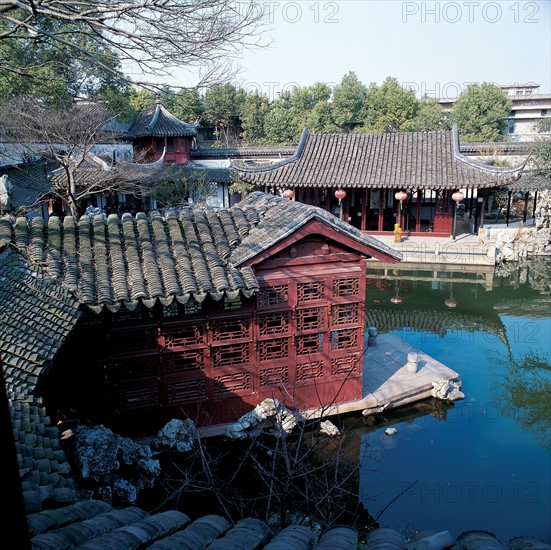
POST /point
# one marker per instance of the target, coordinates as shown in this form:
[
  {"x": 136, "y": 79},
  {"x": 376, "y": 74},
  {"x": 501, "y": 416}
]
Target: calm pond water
[{"x": 483, "y": 462}]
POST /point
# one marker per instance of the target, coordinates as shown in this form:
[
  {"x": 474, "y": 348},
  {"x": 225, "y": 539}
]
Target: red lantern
[
  {"x": 518, "y": 176},
  {"x": 340, "y": 194},
  {"x": 458, "y": 196},
  {"x": 401, "y": 196},
  {"x": 288, "y": 193}
]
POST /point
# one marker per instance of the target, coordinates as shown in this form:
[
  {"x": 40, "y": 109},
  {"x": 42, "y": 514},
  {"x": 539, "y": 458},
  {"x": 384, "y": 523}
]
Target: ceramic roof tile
[
  {"x": 429, "y": 160},
  {"x": 158, "y": 122}
]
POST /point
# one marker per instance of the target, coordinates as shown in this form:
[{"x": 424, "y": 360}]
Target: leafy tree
[
  {"x": 390, "y": 108},
  {"x": 253, "y": 117},
  {"x": 480, "y": 113},
  {"x": 189, "y": 105},
  {"x": 141, "y": 99},
  {"x": 223, "y": 104},
  {"x": 321, "y": 119},
  {"x": 174, "y": 193},
  {"x": 280, "y": 125},
  {"x": 431, "y": 117},
  {"x": 349, "y": 99},
  {"x": 151, "y": 36}
]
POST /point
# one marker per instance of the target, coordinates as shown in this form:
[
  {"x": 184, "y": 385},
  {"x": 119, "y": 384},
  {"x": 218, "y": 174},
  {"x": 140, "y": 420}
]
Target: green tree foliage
[
  {"x": 174, "y": 193},
  {"x": 480, "y": 113},
  {"x": 431, "y": 117},
  {"x": 223, "y": 105},
  {"x": 321, "y": 119},
  {"x": 141, "y": 99},
  {"x": 254, "y": 109},
  {"x": 349, "y": 99},
  {"x": 57, "y": 74},
  {"x": 540, "y": 158},
  {"x": 390, "y": 108},
  {"x": 189, "y": 105},
  {"x": 281, "y": 125}
]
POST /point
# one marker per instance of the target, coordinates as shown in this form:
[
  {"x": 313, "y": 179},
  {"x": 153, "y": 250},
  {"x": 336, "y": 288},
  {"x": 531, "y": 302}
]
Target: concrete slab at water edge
[{"x": 387, "y": 383}]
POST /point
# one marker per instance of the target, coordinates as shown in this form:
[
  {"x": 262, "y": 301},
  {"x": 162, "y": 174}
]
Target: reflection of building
[
  {"x": 372, "y": 168},
  {"x": 205, "y": 312}
]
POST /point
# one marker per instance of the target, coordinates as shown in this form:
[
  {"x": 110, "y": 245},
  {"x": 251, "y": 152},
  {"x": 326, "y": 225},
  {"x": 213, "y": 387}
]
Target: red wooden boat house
[{"x": 205, "y": 313}]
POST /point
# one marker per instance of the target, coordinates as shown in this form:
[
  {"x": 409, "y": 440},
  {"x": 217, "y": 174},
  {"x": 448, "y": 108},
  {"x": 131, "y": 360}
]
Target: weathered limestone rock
[
  {"x": 328, "y": 428},
  {"x": 447, "y": 389},
  {"x": 176, "y": 434},
  {"x": 116, "y": 467},
  {"x": 269, "y": 414}
]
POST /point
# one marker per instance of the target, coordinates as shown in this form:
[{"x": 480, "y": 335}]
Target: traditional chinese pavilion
[
  {"x": 375, "y": 181},
  {"x": 204, "y": 313},
  {"x": 157, "y": 134}
]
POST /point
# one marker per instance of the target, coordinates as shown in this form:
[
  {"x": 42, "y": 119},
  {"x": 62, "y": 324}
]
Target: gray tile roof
[
  {"x": 43, "y": 468},
  {"x": 281, "y": 217},
  {"x": 530, "y": 180},
  {"x": 242, "y": 152},
  {"x": 36, "y": 316},
  {"x": 189, "y": 253},
  {"x": 429, "y": 160},
  {"x": 29, "y": 182},
  {"x": 94, "y": 525},
  {"x": 158, "y": 122}
]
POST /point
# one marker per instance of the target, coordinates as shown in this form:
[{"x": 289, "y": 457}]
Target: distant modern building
[{"x": 528, "y": 107}]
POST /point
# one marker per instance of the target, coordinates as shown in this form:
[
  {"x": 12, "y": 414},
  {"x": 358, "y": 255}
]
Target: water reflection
[{"x": 483, "y": 462}]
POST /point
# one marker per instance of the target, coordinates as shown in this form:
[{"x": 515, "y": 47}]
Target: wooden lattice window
[
  {"x": 344, "y": 339},
  {"x": 312, "y": 318},
  {"x": 138, "y": 397},
  {"x": 184, "y": 361},
  {"x": 345, "y": 366},
  {"x": 183, "y": 335},
  {"x": 309, "y": 371},
  {"x": 189, "y": 390},
  {"x": 275, "y": 348},
  {"x": 132, "y": 368},
  {"x": 171, "y": 310},
  {"x": 191, "y": 307},
  {"x": 310, "y": 292},
  {"x": 273, "y": 323},
  {"x": 273, "y": 295},
  {"x": 231, "y": 329},
  {"x": 310, "y": 343},
  {"x": 134, "y": 341},
  {"x": 230, "y": 383},
  {"x": 230, "y": 355},
  {"x": 345, "y": 314},
  {"x": 347, "y": 286},
  {"x": 274, "y": 377}
]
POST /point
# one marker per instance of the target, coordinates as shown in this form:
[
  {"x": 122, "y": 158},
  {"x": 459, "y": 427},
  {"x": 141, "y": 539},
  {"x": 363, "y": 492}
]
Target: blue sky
[{"x": 435, "y": 47}]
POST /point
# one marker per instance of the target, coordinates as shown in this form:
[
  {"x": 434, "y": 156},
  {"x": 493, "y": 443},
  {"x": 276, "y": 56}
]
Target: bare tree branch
[{"x": 154, "y": 36}]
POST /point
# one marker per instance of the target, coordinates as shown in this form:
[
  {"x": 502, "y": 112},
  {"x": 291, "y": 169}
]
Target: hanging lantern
[
  {"x": 401, "y": 196},
  {"x": 458, "y": 196},
  {"x": 396, "y": 299},
  {"x": 288, "y": 193},
  {"x": 451, "y": 302},
  {"x": 340, "y": 194}
]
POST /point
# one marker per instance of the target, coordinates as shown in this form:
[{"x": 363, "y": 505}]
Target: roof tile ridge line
[
  {"x": 155, "y": 117},
  {"x": 356, "y": 158},
  {"x": 305, "y": 170},
  {"x": 482, "y": 167},
  {"x": 268, "y": 168},
  {"x": 338, "y": 166},
  {"x": 165, "y": 258}
]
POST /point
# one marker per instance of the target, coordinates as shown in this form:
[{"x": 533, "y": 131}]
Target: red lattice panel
[
  {"x": 133, "y": 341},
  {"x": 274, "y": 377},
  {"x": 310, "y": 292},
  {"x": 231, "y": 329},
  {"x": 132, "y": 368},
  {"x": 309, "y": 343},
  {"x": 345, "y": 314},
  {"x": 347, "y": 286},
  {"x": 345, "y": 366},
  {"x": 230, "y": 355},
  {"x": 309, "y": 371},
  {"x": 273, "y": 295},
  {"x": 189, "y": 390},
  {"x": 275, "y": 348},
  {"x": 184, "y": 361},
  {"x": 183, "y": 335},
  {"x": 273, "y": 323},
  {"x": 138, "y": 397},
  {"x": 312, "y": 318},
  {"x": 230, "y": 383},
  {"x": 346, "y": 338}
]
